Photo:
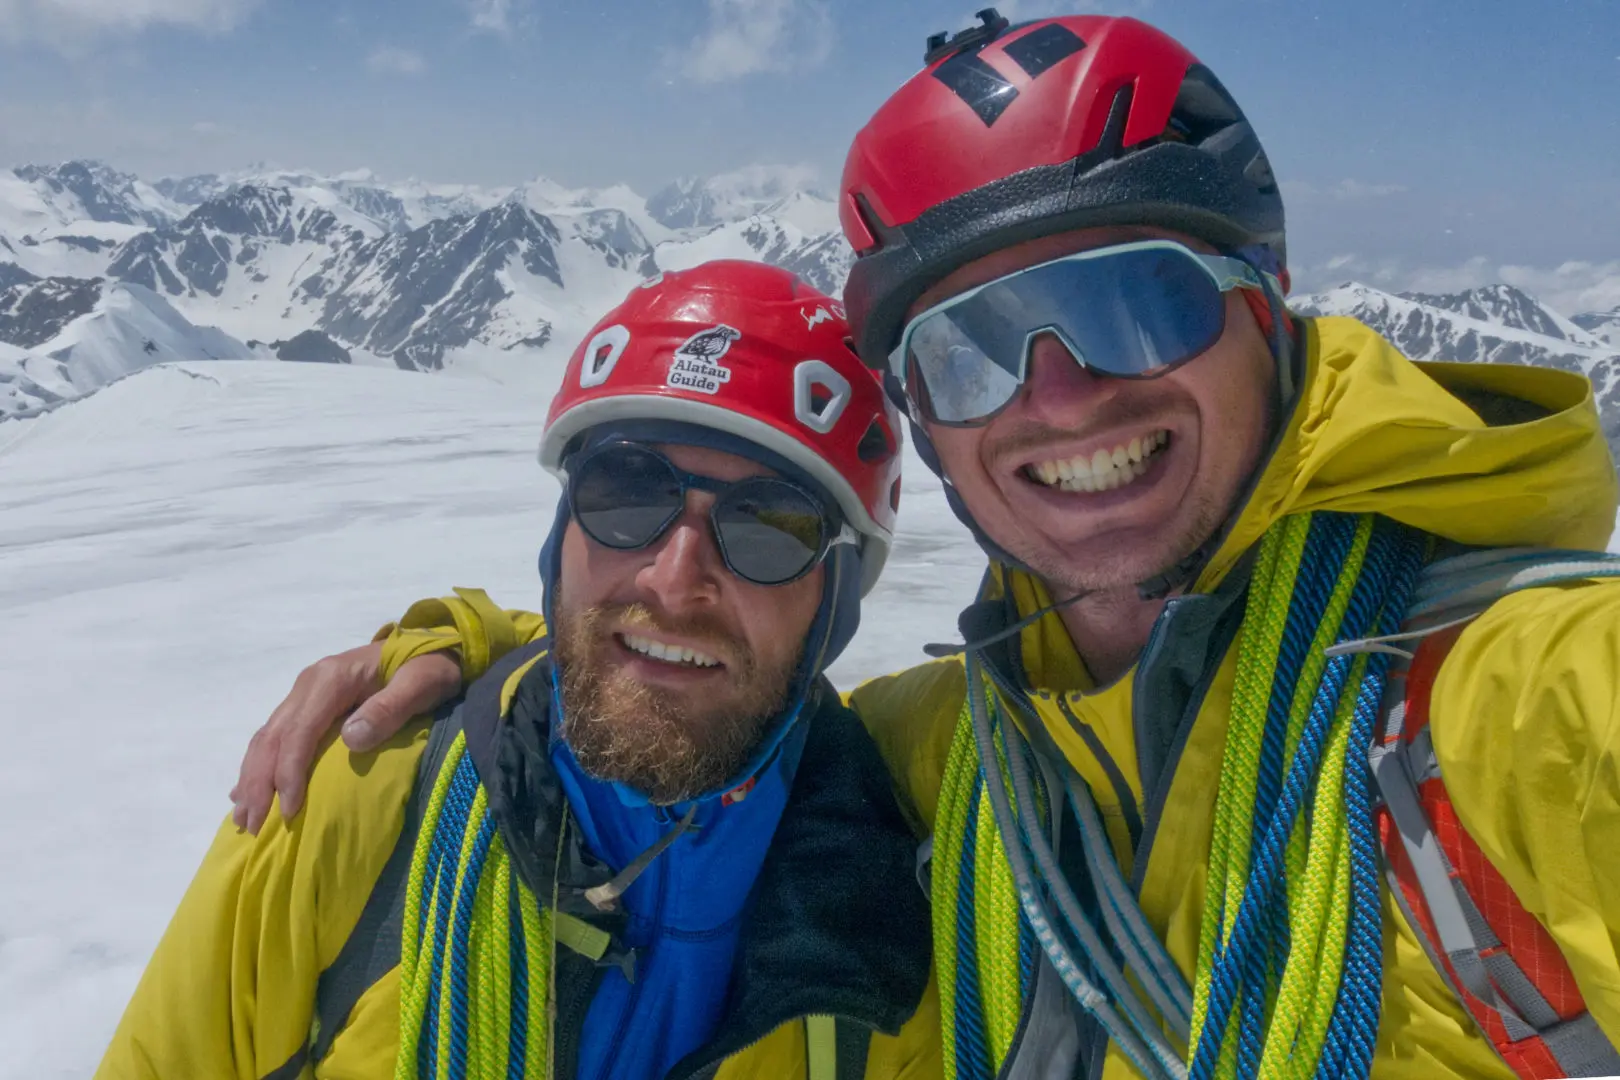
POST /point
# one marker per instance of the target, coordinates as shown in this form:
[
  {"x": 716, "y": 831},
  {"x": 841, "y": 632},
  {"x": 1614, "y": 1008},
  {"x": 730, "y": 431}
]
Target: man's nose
[
  {"x": 686, "y": 565},
  {"x": 1057, "y": 389}
]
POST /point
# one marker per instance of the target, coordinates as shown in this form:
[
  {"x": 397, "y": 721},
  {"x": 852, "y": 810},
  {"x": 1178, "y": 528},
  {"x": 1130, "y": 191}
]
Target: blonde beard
[{"x": 625, "y": 731}]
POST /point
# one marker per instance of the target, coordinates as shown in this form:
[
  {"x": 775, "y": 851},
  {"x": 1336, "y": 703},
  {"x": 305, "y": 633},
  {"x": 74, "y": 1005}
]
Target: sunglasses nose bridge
[
  {"x": 1044, "y": 339},
  {"x": 684, "y": 563},
  {"x": 1052, "y": 361}
]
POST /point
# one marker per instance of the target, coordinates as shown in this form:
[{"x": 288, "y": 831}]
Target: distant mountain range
[
  {"x": 1496, "y": 324},
  {"x": 353, "y": 269},
  {"x": 296, "y": 265}
]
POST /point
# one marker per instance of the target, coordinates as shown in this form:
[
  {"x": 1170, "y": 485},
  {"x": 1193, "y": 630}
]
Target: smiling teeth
[
  {"x": 670, "y": 654},
  {"x": 1104, "y": 470}
]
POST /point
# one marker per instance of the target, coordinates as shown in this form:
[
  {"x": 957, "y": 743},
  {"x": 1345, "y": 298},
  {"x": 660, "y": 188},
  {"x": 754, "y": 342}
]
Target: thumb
[{"x": 419, "y": 687}]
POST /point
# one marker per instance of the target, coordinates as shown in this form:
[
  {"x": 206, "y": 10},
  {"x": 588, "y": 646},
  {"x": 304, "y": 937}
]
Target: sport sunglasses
[
  {"x": 1131, "y": 311},
  {"x": 770, "y": 531}
]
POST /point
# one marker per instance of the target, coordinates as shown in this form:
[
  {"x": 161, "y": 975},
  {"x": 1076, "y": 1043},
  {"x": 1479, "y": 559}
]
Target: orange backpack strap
[{"x": 1497, "y": 957}]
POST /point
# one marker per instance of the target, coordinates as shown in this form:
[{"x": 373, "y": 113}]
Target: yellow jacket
[
  {"x": 1523, "y": 715},
  {"x": 231, "y": 990}
]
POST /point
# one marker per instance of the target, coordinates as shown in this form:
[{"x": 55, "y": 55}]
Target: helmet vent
[
  {"x": 1112, "y": 143},
  {"x": 820, "y": 395},
  {"x": 1044, "y": 47},
  {"x": 1203, "y": 108},
  {"x": 602, "y": 352},
  {"x": 875, "y": 447},
  {"x": 1260, "y": 175},
  {"x": 986, "y": 91}
]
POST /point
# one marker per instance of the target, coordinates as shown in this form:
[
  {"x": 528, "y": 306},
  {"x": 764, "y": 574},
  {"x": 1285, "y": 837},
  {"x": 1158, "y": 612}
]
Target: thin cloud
[
  {"x": 65, "y": 22},
  {"x": 753, "y": 37},
  {"x": 391, "y": 60},
  {"x": 1346, "y": 190},
  {"x": 492, "y": 16}
]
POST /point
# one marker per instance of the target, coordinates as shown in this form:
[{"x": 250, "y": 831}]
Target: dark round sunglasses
[{"x": 770, "y": 531}]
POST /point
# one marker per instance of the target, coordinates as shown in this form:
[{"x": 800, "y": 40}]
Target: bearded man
[{"x": 649, "y": 844}]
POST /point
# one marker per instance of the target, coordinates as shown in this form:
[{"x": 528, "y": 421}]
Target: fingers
[
  {"x": 419, "y": 687},
  {"x": 281, "y": 754},
  {"x": 255, "y": 782}
]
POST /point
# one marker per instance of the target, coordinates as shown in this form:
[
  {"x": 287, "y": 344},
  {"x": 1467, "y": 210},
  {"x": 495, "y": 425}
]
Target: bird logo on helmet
[
  {"x": 789, "y": 383},
  {"x": 1014, "y": 132}
]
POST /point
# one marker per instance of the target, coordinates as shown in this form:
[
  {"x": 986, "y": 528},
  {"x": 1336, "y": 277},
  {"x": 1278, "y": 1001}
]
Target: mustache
[
  {"x": 702, "y": 630},
  {"x": 1031, "y": 435}
]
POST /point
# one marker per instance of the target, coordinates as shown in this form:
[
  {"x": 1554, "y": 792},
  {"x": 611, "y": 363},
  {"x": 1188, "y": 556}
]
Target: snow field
[{"x": 175, "y": 548}]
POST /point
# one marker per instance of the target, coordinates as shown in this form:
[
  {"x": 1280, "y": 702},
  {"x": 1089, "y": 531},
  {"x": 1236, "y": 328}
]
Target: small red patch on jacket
[{"x": 737, "y": 794}]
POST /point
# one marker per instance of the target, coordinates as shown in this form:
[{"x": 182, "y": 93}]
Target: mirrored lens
[
  {"x": 624, "y": 497},
  {"x": 770, "y": 531},
  {"x": 1129, "y": 314},
  {"x": 962, "y": 382}
]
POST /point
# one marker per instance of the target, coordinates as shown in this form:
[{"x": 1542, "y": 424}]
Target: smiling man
[
  {"x": 1283, "y": 740},
  {"x": 649, "y": 844}
]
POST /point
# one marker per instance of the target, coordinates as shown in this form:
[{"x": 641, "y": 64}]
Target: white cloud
[
  {"x": 1346, "y": 190},
  {"x": 391, "y": 60},
  {"x": 64, "y": 22},
  {"x": 494, "y": 16},
  {"x": 210, "y": 129},
  {"x": 1570, "y": 288},
  {"x": 751, "y": 37}
]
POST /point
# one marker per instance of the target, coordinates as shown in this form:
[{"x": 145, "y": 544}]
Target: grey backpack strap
[
  {"x": 854, "y": 1043},
  {"x": 372, "y": 949}
]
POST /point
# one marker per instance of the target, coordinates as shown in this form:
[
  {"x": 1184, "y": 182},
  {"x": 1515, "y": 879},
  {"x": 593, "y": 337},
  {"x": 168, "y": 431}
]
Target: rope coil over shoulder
[
  {"x": 1290, "y": 974},
  {"x": 476, "y": 948}
]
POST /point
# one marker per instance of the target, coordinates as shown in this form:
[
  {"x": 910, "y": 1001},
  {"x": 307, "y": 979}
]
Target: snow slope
[
  {"x": 174, "y": 549},
  {"x": 1601, "y": 324},
  {"x": 129, "y": 328}
]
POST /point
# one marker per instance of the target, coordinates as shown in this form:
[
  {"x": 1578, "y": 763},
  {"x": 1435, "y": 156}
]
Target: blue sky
[{"x": 1421, "y": 143}]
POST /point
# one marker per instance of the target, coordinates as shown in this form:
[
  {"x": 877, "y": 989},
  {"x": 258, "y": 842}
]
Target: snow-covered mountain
[
  {"x": 423, "y": 276},
  {"x": 237, "y": 235},
  {"x": 453, "y": 281},
  {"x": 1601, "y": 324},
  {"x": 398, "y": 206},
  {"x": 430, "y": 276},
  {"x": 694, "y": 202},
  {"x": 1497, "y": 324},
  {"x": 99, "y": 333},
  {"x": 89, "y": 190}
]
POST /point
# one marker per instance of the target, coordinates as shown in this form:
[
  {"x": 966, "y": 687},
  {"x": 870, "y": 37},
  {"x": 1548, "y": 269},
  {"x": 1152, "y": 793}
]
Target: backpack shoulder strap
[
  {"x": 1505, "y": 968},
  {"x": 372, "y": 948}
]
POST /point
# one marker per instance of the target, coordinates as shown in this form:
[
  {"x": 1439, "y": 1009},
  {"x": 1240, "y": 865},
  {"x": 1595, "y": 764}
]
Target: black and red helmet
[{"x": 1014, "y": 132}]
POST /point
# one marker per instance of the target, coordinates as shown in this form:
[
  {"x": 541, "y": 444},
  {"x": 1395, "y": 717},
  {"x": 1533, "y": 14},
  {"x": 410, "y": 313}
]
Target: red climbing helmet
[
  {"x": 1014, "y": 132},
  {"x": 750, "y": 350}
]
